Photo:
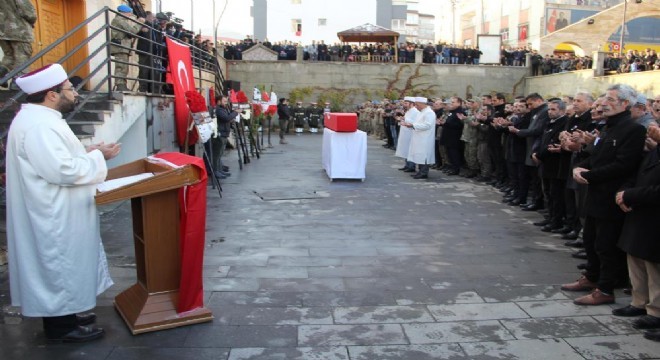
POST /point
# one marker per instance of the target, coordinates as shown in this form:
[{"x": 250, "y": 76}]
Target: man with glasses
[
  {"x": 616, "y": 154},
  {"x": 57, "y": 265}
]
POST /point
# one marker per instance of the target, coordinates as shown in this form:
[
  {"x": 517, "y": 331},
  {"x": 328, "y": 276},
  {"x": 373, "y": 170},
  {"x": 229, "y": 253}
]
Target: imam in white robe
[
  {"x": 57, "y": 265},
  {"x": 422, "y": 142},
  {"x": 403, "y": 142}
]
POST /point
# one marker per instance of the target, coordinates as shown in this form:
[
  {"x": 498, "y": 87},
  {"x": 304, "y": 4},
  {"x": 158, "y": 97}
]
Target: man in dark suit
[
  {"x": 640, "y": 200},
  {"x": 549, "y": 158},
  {"x": 616, "y": 154}
]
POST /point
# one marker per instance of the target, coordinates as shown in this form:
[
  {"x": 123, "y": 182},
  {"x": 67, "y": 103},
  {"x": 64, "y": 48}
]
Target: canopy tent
[{"x": 370, "y": 33}]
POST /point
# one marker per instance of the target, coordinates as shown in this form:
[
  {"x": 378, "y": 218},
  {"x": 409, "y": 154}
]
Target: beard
[{"x": 66, "y": 106}]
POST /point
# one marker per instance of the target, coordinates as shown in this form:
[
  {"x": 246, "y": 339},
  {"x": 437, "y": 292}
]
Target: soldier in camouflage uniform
[
  {"x": 16, "y": 33},
  {"x": 469, "y": 137},
  {"x": 314, "y": 115},
  {"x": 299, "y": 117},
  {"x": 123, "y": 37}
]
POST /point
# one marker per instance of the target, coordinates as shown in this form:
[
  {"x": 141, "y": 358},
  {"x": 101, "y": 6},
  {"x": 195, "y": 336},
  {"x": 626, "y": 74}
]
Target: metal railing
[{"x": 98, "y": 42}]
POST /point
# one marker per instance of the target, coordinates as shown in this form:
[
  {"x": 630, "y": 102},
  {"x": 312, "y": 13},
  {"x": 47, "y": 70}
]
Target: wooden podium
[{"x": 151, "y": 303}]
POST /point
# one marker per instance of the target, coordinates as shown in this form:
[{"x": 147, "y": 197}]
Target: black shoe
[
  {"x": 652, "y": 335},
  {"x": 573, "y": 235},
  {"x": 80, "y": 334},
  {"x": 409, "y": 170},
  {"x": 646, "y": 322},
  {"x": 220, "y": 175},
  {"x": 506, "y": 189},
  {"x": 402, "y": 169},
  {"x": 562, "y": 230},
  {"x": 452, "y": 172},
  {"x": 85, "y": 319},
  {"x": 542, "y": 223},
  {"x": 225, "y": 168},
  {"x": 532, "y": 207},
  {"x": 629, "y": 311},
  {"x": 580, "y": 255},
  {"x": 574, "y": 243},
  {"x": 514, "y": 202},
  {"x": 420, "y": 176},
  {"x": 582, "y": 266},
  {"x": 482, "y": 179},
  {"x": 471, "y": 175},
  {"x": 508, "y": 199},
  {"x": 550, "y": 228}
]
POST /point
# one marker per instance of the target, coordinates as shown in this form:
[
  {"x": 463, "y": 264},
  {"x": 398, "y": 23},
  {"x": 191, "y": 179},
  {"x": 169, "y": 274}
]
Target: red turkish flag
[
  {"x": 192, "y": 213},
  {"x": 181, "y": 77}
]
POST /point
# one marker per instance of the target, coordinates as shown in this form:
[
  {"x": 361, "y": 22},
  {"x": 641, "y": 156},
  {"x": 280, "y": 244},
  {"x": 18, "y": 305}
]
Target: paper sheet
[{"x": 119, "y": 182}]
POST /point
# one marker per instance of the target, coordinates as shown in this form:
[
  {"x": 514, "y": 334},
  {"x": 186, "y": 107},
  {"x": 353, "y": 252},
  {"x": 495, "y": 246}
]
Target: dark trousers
[
  {"x": 58, "y": 326},
  {"x": 570, "y": 203},
  {"x": 535, "y": 186},
  {"x": 514, "y": 176},
  {"x": 524, "y": 181},
  {"x": 388, "y": 133},
  {"x": 558, "y": 208},
  {"x": 497, "y": 154},
  {"x": 606, "y": 262},
  {"x": 455, "y": 157}
]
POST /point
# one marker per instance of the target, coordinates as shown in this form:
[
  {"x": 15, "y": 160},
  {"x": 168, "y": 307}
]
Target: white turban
[
  {"x": 421, "y": 99},
  {"x": 42, "y": 79}
]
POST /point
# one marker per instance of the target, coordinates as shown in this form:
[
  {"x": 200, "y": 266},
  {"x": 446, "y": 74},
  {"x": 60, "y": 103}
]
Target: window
[
  {"x": 323, "y": 22},
  {"x": 505, "y": 34},
  {"x": 296, "y": 26},
  {"x": 296, "y": 2},
  {"x": 398, "y": 24}
]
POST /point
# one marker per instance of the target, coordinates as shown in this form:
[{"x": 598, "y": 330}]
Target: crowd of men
[{"x": 590, "y": 165}]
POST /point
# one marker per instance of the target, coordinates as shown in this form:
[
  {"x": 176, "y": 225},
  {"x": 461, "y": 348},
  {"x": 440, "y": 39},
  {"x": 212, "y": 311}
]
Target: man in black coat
[
  {"x": 225, "y": 117},
  {"x": 640, "y": 200},
  {"x": 450, "y": 138},
  {"x": 549, "y": 158},
  {"x": 616, "y": 154},
  {"x": 284, "y": 115}
]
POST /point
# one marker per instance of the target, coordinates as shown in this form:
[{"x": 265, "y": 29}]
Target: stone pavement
[{"x": 298, "y": 267}]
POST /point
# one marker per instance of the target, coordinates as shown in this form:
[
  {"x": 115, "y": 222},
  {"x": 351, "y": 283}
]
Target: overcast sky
[{"x": 236, "y": 21}]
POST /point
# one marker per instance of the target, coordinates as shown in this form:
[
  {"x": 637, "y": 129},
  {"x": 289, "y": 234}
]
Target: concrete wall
[
  {"x": 440, "y": 80},
  {"x": 569, "y": 83}
]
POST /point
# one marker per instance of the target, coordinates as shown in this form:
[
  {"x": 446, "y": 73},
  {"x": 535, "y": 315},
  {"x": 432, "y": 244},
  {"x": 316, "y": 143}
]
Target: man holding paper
[{"x": 57, "y": 265}]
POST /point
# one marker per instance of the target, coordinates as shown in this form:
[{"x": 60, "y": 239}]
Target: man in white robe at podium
[
  {"x": 403, "y": 142},
  {"x": 57, "y": 265},
  {"x": 422, "y": 142}
]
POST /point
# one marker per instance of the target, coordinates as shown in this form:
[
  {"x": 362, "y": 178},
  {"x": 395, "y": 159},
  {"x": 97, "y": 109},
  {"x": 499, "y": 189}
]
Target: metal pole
[
  {"x": 623, "y": 26},
  {"x": 192, "y": 16},
  {"x": 453, "y": 22}
]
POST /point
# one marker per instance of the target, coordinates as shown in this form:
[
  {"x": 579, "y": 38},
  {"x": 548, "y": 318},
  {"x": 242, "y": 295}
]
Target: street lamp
[
  {"x": 623, "y": 26},
  {"x": 453, "y": 21}
]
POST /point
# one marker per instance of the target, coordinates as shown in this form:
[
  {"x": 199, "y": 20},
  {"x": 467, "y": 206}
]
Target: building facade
[
  {"x": 523, "y": 23},
  {"x": 304, "y": 21}
]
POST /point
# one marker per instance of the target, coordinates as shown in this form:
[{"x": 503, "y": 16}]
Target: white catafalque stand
[{"x": 344, "y": 154}]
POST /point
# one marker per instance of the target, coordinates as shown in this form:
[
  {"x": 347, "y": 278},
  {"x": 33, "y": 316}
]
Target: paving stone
[
  {"x": 309, "y": 353},
  {"x": 466, "y": 331},
  {"x": 409, "y": 250},
  {"x": 521, "y": 293},
  {"x": 336, "y": 335},
  {"x": 51, "y": 352},
  {"x": 203, "y": 335},
  {"x": 384, "y": 283},
  {"x": 347, "y": 271},
  {"x": 539, "y": 309},
  {"x": 348, "y": 298},
  {"x": 271, "y": 272},
  {"x": 412, "y": 352},
  {"x": 545, "y": 349},
  {"x": 275, "y": 251},
  {"x": 615, "y": 347},
  {"x": 462, "y": 312},
  {"x": 168, "y": 354},
  {"x": 256, "y": 298},
  {"x": 618, "y": 325},
  {"x": 343, "y": 251},
  {"x": 227, "y": 284},
  {"x": 556, "y": 327},
  {"x": 311, "y": 261},
  {"x": 237, "y": 260},
  {"x": 325, "y": 284},
  {"x": 436, "y": 297},
  {"x": 381, "y": 315},
  {"x": 215, "y": 271},
  {"x": 280, "y": 316}
]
